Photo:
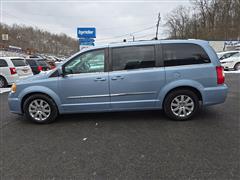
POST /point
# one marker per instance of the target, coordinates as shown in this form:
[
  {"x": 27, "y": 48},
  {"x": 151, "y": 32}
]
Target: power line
[{"x": 127, "y": 34}]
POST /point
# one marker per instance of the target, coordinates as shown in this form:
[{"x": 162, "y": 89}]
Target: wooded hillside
[
  {"x": 206, "y": 19},
  {"x": 40, "y": 40}
]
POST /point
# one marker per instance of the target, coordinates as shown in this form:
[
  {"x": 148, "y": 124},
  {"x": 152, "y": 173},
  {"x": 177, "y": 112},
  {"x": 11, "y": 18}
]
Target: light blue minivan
[{"x": 177, "y": 76}]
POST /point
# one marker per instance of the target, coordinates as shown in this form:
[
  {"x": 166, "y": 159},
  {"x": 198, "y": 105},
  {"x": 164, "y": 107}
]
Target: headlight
[{"x": 14, "y": 88}]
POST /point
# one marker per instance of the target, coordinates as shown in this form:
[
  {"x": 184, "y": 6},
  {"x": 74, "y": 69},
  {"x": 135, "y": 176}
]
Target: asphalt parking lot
[{"x": 125, "y": 145}]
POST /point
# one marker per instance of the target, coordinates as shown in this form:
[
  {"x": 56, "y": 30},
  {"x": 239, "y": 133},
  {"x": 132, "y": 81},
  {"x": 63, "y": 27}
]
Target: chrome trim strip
[
  {"x": 90, "y": 96},
  {"x": 133, "y": 93},
  {"x": 112, "y": 95}
]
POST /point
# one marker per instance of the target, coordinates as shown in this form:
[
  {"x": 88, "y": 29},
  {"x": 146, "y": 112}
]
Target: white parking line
[{"x": 3, "y": 90}]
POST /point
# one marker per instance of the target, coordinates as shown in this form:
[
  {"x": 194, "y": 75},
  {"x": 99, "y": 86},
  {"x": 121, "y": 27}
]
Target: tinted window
[
  {"x": 18, "y": 62},
  {"x": 228, "y": 55},
  {"x": 184, "y": 54},
  {"x": 31, "y": 62},
  {"x": 42, "y": 63},
  {"x": 3, "y": 63},
  {"x": 88, "y": 62},
  {"x": 236, "y": 55},
  {"x": 133, "y": 57}
]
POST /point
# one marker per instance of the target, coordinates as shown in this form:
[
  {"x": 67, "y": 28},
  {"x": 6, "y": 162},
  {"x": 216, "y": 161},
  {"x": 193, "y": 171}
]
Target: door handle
[
  {"x": 117, "y": 77},
  {"x": 114, "y": 78},
  {"x": 100, "y": 79}
]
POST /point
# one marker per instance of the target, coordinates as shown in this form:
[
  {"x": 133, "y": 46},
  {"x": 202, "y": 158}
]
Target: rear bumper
[
  {"x": 12, "y": 79},
  {"x": 215, "y": 95},
  {"x": 14, "y": 104}
]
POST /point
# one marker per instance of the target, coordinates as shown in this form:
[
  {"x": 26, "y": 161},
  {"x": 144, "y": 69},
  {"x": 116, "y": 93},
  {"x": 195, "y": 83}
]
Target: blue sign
[
  {"x": 86, "y": 32},
  {"x": 86, "y": 40}
]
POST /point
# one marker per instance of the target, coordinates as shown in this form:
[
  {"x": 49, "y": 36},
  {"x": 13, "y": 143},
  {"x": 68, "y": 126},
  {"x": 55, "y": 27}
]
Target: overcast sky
[{"x": 111, "y": 18}]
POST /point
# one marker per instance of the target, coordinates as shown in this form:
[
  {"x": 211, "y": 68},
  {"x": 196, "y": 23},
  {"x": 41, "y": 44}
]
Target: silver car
[{"x": 12, "y": 69}]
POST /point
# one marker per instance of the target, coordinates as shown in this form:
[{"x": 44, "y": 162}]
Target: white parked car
[
  {"x": 226, "y": 54},
  {"x": 232, "y": 63},
  {"x": 12, "y": 69}
]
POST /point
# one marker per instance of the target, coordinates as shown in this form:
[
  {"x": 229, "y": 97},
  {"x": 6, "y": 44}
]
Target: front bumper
[
  {"x": 227, "y": 66},
  {"x": 14, "y": 104}
]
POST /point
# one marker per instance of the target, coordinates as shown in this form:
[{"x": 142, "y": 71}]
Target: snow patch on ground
[
  {"x": 3, "y": 90},
  {"x": 232, "y": 72}
]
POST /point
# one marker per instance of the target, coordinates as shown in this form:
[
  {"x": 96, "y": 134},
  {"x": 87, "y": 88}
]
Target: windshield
[{"x": 18, "y": 62}]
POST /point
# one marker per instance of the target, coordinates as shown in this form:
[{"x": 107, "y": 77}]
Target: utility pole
[
  {"x": 158, "y": 23},
  {"x": 133, "y": 37}
]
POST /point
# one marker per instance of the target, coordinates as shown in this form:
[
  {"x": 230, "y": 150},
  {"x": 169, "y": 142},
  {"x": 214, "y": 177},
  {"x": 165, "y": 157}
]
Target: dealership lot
[{"x": 125, "y": 145}]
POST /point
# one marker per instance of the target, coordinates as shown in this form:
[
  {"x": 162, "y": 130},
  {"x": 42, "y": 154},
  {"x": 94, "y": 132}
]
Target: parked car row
[
  {"x": 14, "y": 68},
  {"x": 230, "y": 60}
]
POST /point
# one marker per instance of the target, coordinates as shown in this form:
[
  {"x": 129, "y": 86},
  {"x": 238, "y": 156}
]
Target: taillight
[
  {"x": 220, "y": 75},
  {"x": 40, "y": 68},
  {"x": 13, "y": 70}
]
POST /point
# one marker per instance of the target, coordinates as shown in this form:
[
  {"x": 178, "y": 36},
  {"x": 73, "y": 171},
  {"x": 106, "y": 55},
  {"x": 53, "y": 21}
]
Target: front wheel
[
  {"x": 40, "y": 108},
  {"x": 181, "y": 104}
]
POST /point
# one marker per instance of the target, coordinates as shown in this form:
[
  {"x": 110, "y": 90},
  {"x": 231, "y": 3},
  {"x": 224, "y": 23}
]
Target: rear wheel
[
  {"x": 181, "y": 104},
  {"x": 3, "y": 82},
  {"x": 237, "y": 67},
  {"x": 40, "y": 108}
]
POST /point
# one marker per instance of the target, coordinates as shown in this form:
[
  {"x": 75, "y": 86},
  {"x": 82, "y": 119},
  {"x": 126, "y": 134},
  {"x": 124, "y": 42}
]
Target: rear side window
[
  {"x": 31, "y": 62},
  {"x": 18, "y": 62},
  {"x": 184, "y": 54},
  {"x": 3, "y": 63},
  {"x": 42, "y": 63},
  {"x": 236, "y": 55},
  {"x": 133, "y": 57}
]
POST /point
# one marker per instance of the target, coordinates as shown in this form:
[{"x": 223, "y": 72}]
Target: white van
[{"x": 13, "y": 68}]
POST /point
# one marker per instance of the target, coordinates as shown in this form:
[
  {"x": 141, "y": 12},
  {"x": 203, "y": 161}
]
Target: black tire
[
  {"x": 237, "y": 67},
  {"x": 3, "y": 82},
  {"x": 178, "y": 93},
  {"x": 53, "y": 110}
]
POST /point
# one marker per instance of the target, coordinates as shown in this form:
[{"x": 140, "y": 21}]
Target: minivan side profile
[{"x": 177, "y": 76}]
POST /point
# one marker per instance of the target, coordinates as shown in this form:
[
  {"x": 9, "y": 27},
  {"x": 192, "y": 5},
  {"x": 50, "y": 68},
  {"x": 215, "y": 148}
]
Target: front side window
[
  {"x": 88, "y": 62},
  {"x": 3, "y": 63},
  {"x": 133, "y": 57},
  {"x": 19, "y": 62},
  {"x": 184, "y": 54}
]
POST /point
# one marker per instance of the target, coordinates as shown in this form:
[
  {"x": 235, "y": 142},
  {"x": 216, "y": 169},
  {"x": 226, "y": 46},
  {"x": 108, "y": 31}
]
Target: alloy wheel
[
  {"x": 182, "y": 106},
  {"x": 39, "y": 109}
]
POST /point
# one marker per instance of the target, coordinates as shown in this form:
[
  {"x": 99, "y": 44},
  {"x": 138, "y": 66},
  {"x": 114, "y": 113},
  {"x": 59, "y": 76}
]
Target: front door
[{"x": 85, "y": 86}]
